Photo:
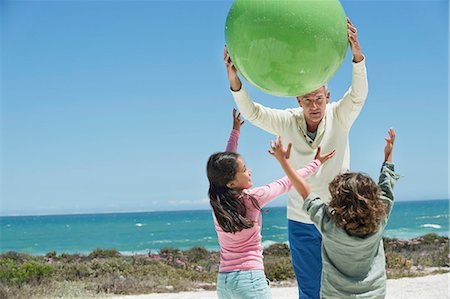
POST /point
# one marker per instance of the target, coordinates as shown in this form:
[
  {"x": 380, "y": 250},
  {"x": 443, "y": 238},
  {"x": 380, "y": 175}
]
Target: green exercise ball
[{"x": 287, "y": 48}]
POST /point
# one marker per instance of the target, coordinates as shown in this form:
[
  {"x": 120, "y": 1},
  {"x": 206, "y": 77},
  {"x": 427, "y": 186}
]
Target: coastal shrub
[
  {"x": 429, "y": 250},
  {"x": 27, "y": 272},
  {"x": 101, "y": 267},
  {"x": 442, "y": 257},
  {"x": 204, "y": 265},
  {"x": 32, "y": 272},
  {"x": 196, "y": 254},
  {"x": 431, "y": 239},
  {"x": 104, "y": 253},
  {"x": 278, "y": 249},
  {"x": 80, "y": 276},
  {"x": 70, "y": 258},
  {"x": 170, "y": 253},
  {"x": 194, "y": 276},
  {"x": 17, "y": 257},
  {"x": 140, "y": 260},
  {"x": 152, "y": 268},
  {"x": 397, "y": 261},
  {"x": 436, "y": 258},
  {"x": 51, "y": 255},
  {"x": 116, "y": 285},
  {"x": 8, "y": 270},
  {"x": 277, "y": 262},
  {"x": 47, "y": 289},
  {"x": 3, "y": 291},
  {"x": 278, "y": 268},
  {"x": 72, "y": 271}
]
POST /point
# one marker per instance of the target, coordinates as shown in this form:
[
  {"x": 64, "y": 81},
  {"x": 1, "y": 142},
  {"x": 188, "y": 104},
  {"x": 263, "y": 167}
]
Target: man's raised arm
[{"x": 270, "y": 120}]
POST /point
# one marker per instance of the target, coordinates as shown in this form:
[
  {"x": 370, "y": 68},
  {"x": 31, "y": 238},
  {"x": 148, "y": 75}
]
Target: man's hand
[
  {"x": 354, "y": 43},
  {"x": 235, "y": 82}
]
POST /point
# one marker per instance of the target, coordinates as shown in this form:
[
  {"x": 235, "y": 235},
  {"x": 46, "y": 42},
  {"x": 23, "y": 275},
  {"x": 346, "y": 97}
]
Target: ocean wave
[
  {"x": 277, "y": 236},
  {"x": 433, "y": 217},
  {"x": 431, "y": 225},
  {"x": 279, "y": 227},
  {"x": 184, "y": 241},
  {"x": 160, "y": 241}
]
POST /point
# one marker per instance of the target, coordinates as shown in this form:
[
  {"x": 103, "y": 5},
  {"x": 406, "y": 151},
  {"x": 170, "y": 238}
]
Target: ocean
[{"x": 146, "y": 232}]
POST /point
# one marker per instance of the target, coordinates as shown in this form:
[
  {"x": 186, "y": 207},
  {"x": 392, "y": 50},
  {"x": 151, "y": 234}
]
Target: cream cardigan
[{"x": 332, "y": 133}]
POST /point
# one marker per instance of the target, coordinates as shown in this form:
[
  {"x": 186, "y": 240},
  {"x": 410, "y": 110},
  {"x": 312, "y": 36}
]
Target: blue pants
[
  {"x": 250, "y": 284},
  {"x": 305, "y": 243}
]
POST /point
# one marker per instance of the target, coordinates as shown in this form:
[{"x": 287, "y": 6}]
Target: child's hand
[
  {"x": 389, "y": 146},
  {"x": 282, "y": 156},
  {"x": 325, "y": 157},
  {"x": 278, "y": 151},
  {"x": 237, "y": 122}
]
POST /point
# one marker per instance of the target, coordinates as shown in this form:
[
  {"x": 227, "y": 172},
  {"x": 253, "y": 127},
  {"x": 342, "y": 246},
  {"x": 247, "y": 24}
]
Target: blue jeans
[
  {"x": 250, "y": 284},
  {"x": 305, "y": 243}
]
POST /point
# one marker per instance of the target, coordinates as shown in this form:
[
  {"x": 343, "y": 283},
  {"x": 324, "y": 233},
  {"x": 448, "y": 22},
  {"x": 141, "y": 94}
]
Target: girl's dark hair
[
  {"x": 356, "y": 204},
  {"x": 227, "y": 204}
]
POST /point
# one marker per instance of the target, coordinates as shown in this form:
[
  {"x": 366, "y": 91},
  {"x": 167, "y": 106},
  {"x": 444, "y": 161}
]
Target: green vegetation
[
  {"x": 423, "y": 255},
  {"x": 106, "y": 271}
]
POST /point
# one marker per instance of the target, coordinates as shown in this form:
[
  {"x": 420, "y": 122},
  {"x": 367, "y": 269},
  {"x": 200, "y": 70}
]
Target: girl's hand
[
  {"x": 325, "y": 157},
  {"x": 237, "y": 122},
  {"x": 389, "y": 145},
  {"x": 278, "y": 151}
]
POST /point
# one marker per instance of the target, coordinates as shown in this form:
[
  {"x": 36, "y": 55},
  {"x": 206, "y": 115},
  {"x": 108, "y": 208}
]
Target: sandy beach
[{"x": 427, "y": 287}]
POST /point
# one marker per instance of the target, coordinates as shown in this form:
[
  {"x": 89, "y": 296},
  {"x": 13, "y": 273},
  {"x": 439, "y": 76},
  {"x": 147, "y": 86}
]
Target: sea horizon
[
  {"x": 143, "y": 232},
  {"x": 175, "y": 210}
]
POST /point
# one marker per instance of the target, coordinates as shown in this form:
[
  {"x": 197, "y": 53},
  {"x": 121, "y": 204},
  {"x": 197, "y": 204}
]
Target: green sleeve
[
  {"x": 316, "y": 209},
  {"x": 388, "y": 178}
]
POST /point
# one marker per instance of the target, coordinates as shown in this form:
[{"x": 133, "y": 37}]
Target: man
[{"x": 316, "y": 122}]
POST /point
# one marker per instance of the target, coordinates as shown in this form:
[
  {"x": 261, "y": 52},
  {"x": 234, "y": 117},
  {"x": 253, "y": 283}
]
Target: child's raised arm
[
  {"x": 388, "y": 176},
  {"x": 389, "y": 146},
  {"x": 282, "y": 156},
  {"x": 237, "y": 122},
  {"x": 232, "y": 144}
]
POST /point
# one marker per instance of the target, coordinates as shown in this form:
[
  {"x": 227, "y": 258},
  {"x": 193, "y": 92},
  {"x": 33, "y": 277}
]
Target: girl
[
  {"x": 351, "y": 225},
  {"x": 237, "y": 218}
]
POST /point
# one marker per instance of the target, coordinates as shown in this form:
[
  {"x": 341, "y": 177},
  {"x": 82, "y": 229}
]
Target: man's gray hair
[{"x": 324, "y": 85}]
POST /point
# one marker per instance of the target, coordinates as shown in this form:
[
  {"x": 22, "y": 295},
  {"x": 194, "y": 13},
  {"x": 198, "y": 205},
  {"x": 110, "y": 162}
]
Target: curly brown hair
[{"x": 356, "y": 204}]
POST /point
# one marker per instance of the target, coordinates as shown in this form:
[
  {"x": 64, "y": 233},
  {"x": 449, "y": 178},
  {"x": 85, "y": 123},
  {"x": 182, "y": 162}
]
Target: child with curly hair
[
  {"x": 236, "y": 208},
  {"x": 352, "y": 226}
]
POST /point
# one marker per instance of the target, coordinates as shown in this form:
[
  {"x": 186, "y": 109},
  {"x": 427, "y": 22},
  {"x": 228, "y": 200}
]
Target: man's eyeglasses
[{"x": 318, "y": 101}]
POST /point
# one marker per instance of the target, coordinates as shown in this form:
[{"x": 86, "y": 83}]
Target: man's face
[{"x": 314, "y": 104}]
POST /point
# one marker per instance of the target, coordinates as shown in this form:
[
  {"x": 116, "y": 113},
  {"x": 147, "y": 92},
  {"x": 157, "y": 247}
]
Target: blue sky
[{"x": 116, "y": 105}]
